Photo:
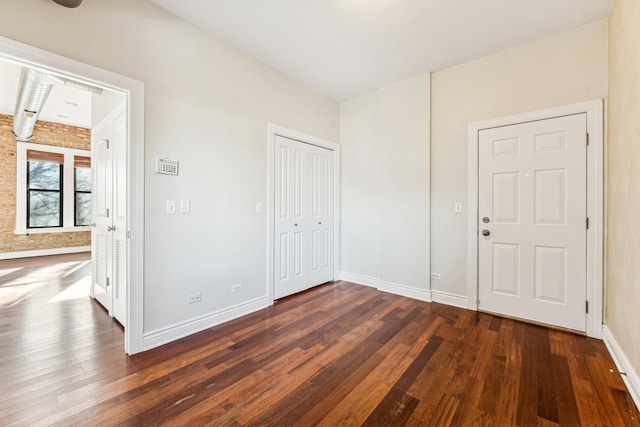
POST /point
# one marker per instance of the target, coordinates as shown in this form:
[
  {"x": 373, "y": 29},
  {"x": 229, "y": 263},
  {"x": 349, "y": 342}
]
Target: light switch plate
[
  {"x": 457, "y": 207},
  {"x": 171, "y": 207},
  {"x": 258, "y": 207}
]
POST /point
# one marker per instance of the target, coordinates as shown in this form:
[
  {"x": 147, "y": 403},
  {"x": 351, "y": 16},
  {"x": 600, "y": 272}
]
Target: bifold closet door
[{"x": 304, "y": 221}]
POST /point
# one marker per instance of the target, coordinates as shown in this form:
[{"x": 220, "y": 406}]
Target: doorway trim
[
  {"x": 26, "y": 55},
  {"x": 595, "y": 201},
  {"x": 272, "y": 132}
]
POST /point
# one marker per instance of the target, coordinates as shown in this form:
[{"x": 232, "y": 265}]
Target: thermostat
[{"x": 167, "y": 166}]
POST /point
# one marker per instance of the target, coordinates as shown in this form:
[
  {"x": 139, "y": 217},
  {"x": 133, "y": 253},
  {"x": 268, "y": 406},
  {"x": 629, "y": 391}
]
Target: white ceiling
[
  {"x": 64, "y": 105},
  {"x": 345, "y": 48}
]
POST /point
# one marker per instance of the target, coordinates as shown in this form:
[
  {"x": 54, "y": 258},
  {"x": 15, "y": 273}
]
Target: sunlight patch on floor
[
  {"x": 12, "y": 295},
  {"x": 79, "y": 289},
  {"x": 5, "y": 271}
]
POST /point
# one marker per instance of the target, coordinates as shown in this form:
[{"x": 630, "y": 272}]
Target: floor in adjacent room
[{"x": 336, "y": 355}]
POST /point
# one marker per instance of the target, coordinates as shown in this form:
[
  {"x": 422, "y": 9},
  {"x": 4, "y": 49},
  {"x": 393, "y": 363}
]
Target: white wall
[
  {"x": 102, "y": 105},
  {"x": 207, "y": 105},
  {"x": 385, "y": 187},
  {"x": 562, "y": 69},
  {"x": 623, "y": 185}
]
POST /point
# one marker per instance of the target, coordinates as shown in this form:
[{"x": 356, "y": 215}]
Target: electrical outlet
[
  {"x": 185, "y": 206},
  {"x": 236, "y": 288},
  {"x": 194, "y": 298},
  {"x": 435, "y": 276}
]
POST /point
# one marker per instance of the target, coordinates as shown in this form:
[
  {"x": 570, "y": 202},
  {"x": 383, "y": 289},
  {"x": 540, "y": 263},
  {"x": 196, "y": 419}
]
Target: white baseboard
[
  {"x": 450, "y": 299},
  {"x": 631, "y": 380},
  {"x": 179, "y": 330},
  {"x": 405, "y": 291},
  {"x": 44, "y": 252},
  {"x": 392, "y": 288},
  {"x": 360, "y": 279}
]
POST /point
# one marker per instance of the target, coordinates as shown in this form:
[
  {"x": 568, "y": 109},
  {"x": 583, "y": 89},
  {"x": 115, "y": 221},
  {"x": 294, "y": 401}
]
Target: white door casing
[
  {"x": 327, "y": 196},
  {"x": 594, "y": 202},
  {"x": 23, "y": 54},
  {"x": 303, "y": 201},
  {"x": 532, "y": 207}
]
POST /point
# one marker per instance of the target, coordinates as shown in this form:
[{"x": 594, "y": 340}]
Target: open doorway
[{"x": 120, "y": 115}]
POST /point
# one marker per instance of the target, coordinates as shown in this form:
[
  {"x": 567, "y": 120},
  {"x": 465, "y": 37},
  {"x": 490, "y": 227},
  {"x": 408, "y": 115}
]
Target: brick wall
[{"x": 45, "y": 133}]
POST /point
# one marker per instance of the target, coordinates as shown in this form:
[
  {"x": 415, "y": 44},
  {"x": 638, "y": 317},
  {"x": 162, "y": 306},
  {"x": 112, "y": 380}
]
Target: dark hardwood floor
[{"x": 337, "y": 355}]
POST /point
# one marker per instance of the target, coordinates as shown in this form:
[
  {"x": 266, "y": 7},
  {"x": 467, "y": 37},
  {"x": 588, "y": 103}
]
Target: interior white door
[
  {"x": 109, "y": 235},
  {"x": 101, "y": 166},
  {"x": 532, "y": 213},
  {"x": 303, "y": 201},
  {"x": 119, "y": 224},
  {"x": 322, "y": 208}
]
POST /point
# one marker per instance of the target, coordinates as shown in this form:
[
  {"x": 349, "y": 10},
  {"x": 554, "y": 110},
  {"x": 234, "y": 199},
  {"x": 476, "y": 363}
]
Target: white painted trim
[
  {"x": 68, "y": 187},
  {"x": 272, "y": 132},
  {"x": 595, "y": 212},
  {"x": 449, "y": 299},
  {"x": 179, "y": 330},
  {"x": 22, "y": 54},
  {"x": 389, "y": 287},
  {"x": 405, "y": 291},
  {"x": 595, "y": 200},
  {"x": 51, "y": 230},
  {"x": 631, "y": 380},
  {"x": 360, "y": 279},
  {"x": 44, "y": 252}
]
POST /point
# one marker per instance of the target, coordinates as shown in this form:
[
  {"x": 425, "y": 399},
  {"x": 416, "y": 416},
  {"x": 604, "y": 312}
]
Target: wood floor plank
[
  {"x": 337, "y": 355},
  {"x": 395, "y": 409}
]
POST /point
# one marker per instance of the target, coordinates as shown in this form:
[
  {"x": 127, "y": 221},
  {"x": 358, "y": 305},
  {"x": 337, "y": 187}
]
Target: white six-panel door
[
  {"x": 119, "y": 227},
  {"x": 532, "y": 221},
  {"x": 109, "y": 234},
  {"x": 304, "y": 203},
  {"x": 102, "y": 247}
]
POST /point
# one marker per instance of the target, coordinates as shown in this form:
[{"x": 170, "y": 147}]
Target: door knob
[
  {"x": 485, "y": 219},
  {"x": 110, "y": 228},
  {"x": 319, "y": 222},
  {"x": 485, "y": 232},
  {"x": 295, "y": 224}
]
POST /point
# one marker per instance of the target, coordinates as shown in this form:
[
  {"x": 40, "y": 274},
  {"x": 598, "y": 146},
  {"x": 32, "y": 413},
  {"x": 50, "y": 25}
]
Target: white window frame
[{"x": 68, "y": 189}]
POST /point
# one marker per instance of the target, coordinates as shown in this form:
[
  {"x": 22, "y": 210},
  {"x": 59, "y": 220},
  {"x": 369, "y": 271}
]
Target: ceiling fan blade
[{"x": 68, "y": 3}]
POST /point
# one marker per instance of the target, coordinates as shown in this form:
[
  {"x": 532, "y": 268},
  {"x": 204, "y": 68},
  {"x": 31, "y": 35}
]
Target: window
[
  {"x": 82, "y": 184},
  {"x": 53, "y": 192},
  {"x": 44, "y": 189}
]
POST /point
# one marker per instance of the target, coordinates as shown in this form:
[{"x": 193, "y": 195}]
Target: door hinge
[
  {"x": 107, "y": 213},
  {"x": 128, "y": 234},
  {"x": 587, "y": 139},
  {"x": 587, "y": 223},
  {"x": 586, "y": 306},
  {"x": 107, "y": 141},
  {"x": 107, "y": 282},
  {"x": 478, "y": 301}
]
